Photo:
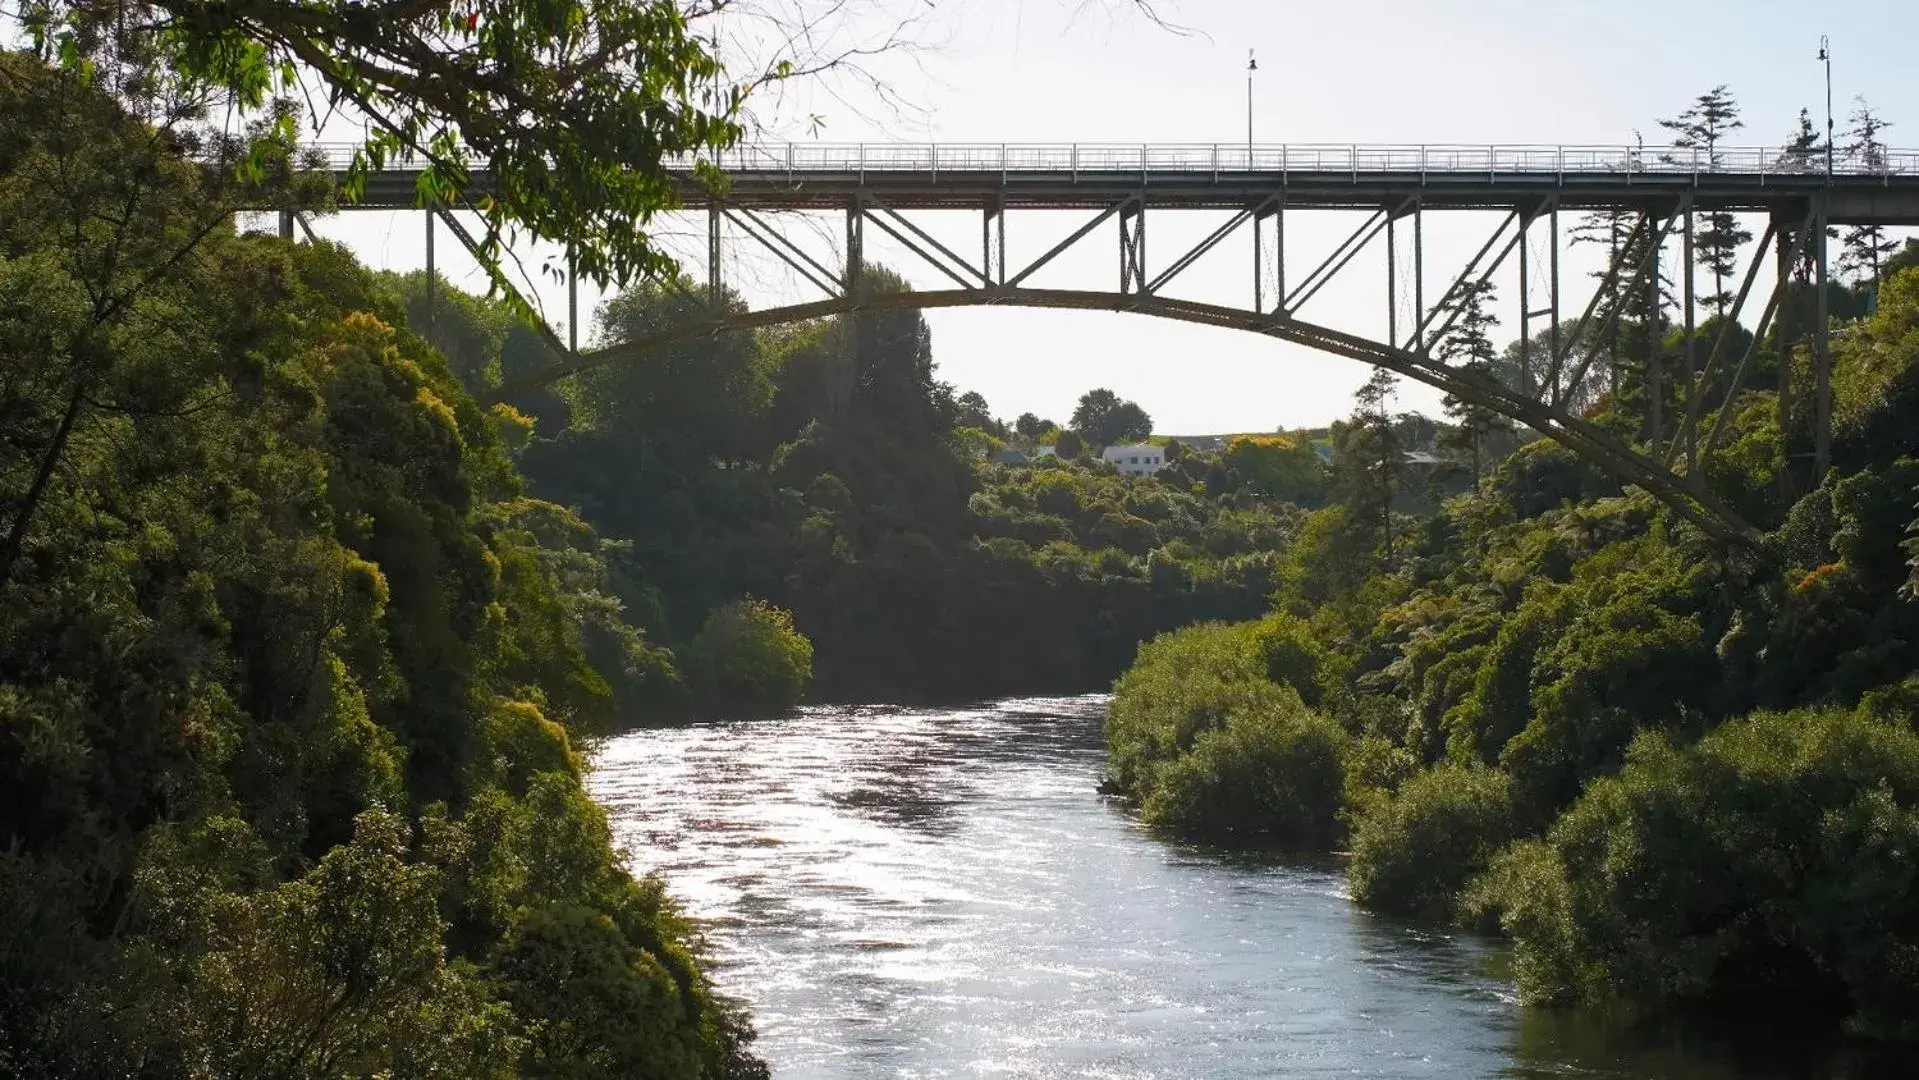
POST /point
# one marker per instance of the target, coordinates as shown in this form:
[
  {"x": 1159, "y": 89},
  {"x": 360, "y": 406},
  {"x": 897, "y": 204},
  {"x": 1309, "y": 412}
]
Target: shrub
[
  {"x": 1771, "y": 862},
  {"x": 1414, "y": 851},
  {"x": 748, "y": 656},
  {"x": 1270, "y": 775},
  {"x": 1209, "y": 747}
]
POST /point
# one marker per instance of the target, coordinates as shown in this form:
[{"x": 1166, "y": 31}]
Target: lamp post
[
  {"x": 1825, "y": 57},
  {"x": 1252, "y": 65}
]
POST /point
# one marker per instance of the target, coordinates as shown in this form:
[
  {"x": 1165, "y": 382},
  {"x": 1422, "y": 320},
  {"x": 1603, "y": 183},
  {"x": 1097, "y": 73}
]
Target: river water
[{"x": 910, "y": 893}]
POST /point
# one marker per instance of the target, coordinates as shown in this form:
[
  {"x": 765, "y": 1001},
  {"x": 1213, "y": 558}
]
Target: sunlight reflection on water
[{"x": 924, "y": 893}]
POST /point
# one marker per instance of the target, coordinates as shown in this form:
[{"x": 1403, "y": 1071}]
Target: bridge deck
[{"x": 1882, "y": 188}]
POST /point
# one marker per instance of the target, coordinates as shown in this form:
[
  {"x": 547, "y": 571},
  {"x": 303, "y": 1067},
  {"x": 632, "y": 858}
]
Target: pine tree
[
  {"x": 1805, "y": 150},
  {"x": 1611, "y": 228},
  {"x": 1468, "y": 346},
  {"x": 1865, "y": 247},
  {"x": 1371, "y": 461},
  {"x": 1701, "y": 128}
]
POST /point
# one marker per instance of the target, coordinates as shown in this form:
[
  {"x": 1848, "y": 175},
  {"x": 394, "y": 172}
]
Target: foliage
[
  {"x": 1103, "y": 418},
  {"x": 1211, "y": 747},
  {"x": 576, "y": 110},
  {"x": 1771, "y": 861},
  {"x": 748, "y": 657},
  {"x": 1415, "y": 849},
  {"x": 1701, "y": 128},
  {"x": 293, "y": 676}
]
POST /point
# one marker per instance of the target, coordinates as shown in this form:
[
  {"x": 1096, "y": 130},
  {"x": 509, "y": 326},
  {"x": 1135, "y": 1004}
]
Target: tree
[
  {"x": 575, "y": 108},
  {"x": 1103, "y": 418},
  {"x": 1865, "y": 247},
  {"x": 974, "y": 413},
  {"x": 1030, "y": 426},
  {"x": 1805, "y": 150},
  {"x": 1468, "y": 345},
  {"x": 1069, "y": 445},
  {"x": 1370, "y": 462},
  {"x": 1705, "y": 123}
]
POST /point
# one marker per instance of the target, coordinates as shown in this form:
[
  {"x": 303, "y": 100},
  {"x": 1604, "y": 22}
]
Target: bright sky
[{"x": 1388, "y": 71}]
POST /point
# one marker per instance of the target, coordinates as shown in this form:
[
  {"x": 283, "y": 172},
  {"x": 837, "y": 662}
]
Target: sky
[{"x": 1388, "y": 71}]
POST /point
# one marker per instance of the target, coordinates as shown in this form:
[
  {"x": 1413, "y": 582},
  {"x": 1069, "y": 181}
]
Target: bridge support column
[
  {"x": 1553, "y": 390},
  {"x": 286, "y": 223},
  {"x": 1269, "y": 256},
  {"x": 714, "y": 254},
  {"x": 1691, "y": 355},
  {"x": 993, "y": 243},
  {"x": 1132, "y": 246},
  {"x": 432, "y": 275},
  {"x": 572, "y": 302},
  {"x": 1392, "y": 281},
  {"x": 1788, "y": 329},
  {"x": 1419, "y": 278},
  {"x": 855, "y": 280},
  {"x": 1655, "y": 358},
  {"x": 1821, "y": 352},
  {"x": 1526, "y": 305}
]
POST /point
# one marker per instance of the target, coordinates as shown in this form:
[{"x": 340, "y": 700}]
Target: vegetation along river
[{"x": 942, "y": 893}]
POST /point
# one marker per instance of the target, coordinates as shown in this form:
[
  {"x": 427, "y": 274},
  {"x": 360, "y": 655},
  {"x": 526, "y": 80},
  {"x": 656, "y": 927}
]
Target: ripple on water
[{"x": 940, "y": 893}]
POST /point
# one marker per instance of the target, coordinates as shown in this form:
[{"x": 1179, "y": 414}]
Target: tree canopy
[{"x": 1103, "y": 418}]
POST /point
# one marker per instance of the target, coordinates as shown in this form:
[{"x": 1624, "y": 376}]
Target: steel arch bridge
[{"x": 1655, "y": 198}]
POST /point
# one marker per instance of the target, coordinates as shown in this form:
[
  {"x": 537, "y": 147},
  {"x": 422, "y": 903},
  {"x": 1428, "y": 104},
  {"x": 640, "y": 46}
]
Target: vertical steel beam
[
  {"x": 286, "y": 223},
  {"x": 572, "y": 302},
  {"x": 1691, "y": 355},
  {"x": 1525, "y": 305},
  {"x": 1392, "y": 281},
  {"x": 993, "y": 242},
  {"x": 1279, "y": 241},
  {"x": 1269, "y": 275},
  {"x": 1788, "y": 327},
  {"x": 1655, "y": 360},
  {"x": 854, "y": 281},
  {"x": 1132, "y": 247},
  {"x": 1552, "y": 302},
  {"x": 432, "y": 275},
  {"x": 715, "y": 282},
  {"x": 1821, "y": 351},
  {"x": 1419, "y": 277}
]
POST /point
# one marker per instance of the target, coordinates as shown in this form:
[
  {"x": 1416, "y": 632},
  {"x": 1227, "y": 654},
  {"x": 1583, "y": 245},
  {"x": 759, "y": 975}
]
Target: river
[{"x": 910, "y": 893}]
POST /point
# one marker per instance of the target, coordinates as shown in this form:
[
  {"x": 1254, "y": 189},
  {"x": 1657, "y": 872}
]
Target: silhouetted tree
[{"x": 1705, "y": 123}]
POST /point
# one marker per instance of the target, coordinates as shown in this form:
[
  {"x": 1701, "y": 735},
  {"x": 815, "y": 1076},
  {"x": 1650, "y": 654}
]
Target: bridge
[{"x": 1656, "y": 195}]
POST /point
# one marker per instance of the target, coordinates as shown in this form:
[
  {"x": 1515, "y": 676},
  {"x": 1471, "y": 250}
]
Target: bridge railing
[{"x": 1353, "y": 158}]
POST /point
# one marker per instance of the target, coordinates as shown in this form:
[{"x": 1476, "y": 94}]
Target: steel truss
[{"x": 1665, "y": 458}]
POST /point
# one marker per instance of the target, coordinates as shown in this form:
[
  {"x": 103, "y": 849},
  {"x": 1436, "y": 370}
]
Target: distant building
[
  {"x": 1044, "y": 451},
  {"x": 1140, "y": 459},
  {"x": 1009, "y": 457}
]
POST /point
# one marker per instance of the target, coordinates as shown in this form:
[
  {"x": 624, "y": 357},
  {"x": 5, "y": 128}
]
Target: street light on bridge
[
  {"x": 1825, "y": 57},
  {"x": 1252, "y": 65}
]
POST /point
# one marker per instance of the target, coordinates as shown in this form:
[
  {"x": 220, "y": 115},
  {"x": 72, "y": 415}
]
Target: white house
[{"x": 1142, "y": 459}]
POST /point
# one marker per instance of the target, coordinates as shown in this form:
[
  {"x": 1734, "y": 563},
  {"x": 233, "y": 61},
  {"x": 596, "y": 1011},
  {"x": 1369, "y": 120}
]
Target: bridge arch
[{"x": 1582, "y": 437}]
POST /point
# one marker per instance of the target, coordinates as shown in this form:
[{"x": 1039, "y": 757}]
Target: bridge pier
[
  {"x": 432, "y": 277},
  {"x": 855, "y": 280},
  {"x": 1269, "y": 255},
  {"x": 1821, "y": 351},
  {"x": 1132, "y": 246},
  {"x": 714, "y": 256},
  {"x": 993, "y": 243}
]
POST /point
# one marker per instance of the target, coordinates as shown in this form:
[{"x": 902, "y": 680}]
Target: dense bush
[
  {"x": 292, "y": 673},
  {"x": 748, "y": 657},
  {"x": 1210, "y": 747},
  {"x": 1269, "y": 775},
  {"x": 1772, "y": 862},
  {"x": 1415, "y": 849}
]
